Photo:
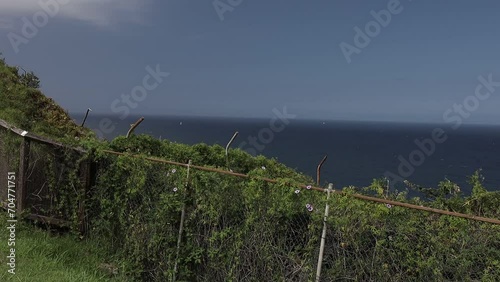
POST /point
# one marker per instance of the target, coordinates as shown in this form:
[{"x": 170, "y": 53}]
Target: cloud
[{"x": 102, "y": 13}]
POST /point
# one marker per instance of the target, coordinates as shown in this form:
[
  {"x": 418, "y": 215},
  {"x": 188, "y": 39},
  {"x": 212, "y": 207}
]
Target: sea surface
[{"x": 358, "y": 152}]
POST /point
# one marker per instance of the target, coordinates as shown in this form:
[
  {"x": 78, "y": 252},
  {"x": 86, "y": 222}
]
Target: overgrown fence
[
  {"x": 52, "y": 178},
  {"x": 249, "y": 227},
  {"x": 174, "y": 212}
]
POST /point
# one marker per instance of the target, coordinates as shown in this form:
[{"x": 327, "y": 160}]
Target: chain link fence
[
  {"x": 56, "y": 180},
  {"x": 378, "y": 242},
  {"x": 172, "y": 221},
  {"x": 178, "y": 223},
  {"x": 183, "y": 223},
  {"x": 52, "y": 178}
]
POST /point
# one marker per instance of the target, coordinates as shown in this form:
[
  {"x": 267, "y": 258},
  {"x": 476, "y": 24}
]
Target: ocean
[{"x": 358, "y": 152}]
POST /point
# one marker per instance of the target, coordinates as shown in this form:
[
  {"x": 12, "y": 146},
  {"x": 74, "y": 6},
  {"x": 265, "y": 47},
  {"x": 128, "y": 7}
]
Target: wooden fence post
[
  {"x": 85, "y": 173},
  {"x": 22, "y": 187}
]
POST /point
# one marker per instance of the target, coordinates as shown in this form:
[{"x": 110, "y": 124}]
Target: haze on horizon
[{"x": 247, "y": 59}]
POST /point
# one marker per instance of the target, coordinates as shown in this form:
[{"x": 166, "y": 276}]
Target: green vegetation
[
  {"x": 23, "y": 105},
  {"x": 238, "y": 229},
  {"x": 248, "y": 228},
  {"x": 233, "y": 227}
]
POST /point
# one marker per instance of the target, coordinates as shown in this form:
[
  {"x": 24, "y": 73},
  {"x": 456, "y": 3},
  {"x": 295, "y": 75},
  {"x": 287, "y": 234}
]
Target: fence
[
  {"x": 252, "y": 227},
  {"x": 52, "y": 178},
  {"x": 188, "y": 221},
  {"x": 205, "y": 226}
]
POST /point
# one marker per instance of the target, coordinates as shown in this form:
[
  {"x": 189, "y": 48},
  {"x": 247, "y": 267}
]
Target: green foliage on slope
[
  {"x": 233, "y": 227},
  {"x": 25, "y": 106}
]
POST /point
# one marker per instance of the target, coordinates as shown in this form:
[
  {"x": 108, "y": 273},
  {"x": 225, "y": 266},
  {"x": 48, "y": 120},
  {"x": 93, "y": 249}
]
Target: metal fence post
[
  {"x": 323, "y": 235},
  {"x": 181, "y": 227},
  {"x": 227, "y": 148}
]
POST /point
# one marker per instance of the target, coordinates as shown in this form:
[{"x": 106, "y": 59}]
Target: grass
[{"x": 44, "y": 256}]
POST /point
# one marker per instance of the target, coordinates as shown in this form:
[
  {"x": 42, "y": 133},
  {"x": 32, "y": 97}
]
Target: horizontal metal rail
[
  {"x": 357, "y": 196},
  {"x": 36, "y": 138}
]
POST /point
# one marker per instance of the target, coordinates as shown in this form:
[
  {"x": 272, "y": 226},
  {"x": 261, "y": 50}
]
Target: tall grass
[{"x": 48, "y": 256}]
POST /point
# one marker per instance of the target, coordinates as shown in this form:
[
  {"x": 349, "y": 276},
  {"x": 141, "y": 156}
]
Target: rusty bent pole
[
  {"x": 227, "y": 148},
  {"x": 318, "y": 170},
  {"x": 134, "y": 125},
  {"x": 86, "y": 115}
]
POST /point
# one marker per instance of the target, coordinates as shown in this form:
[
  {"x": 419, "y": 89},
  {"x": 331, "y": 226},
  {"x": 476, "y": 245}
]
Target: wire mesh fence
[
  {"x": 173, "y": 221},
  {"x": 377, "y": 242},
  {"x": 54, "y": 185},
  {"x": 205, "y": 227},
  {"x": 180, "y": 223},
  {"x": 51, "y": 178}
]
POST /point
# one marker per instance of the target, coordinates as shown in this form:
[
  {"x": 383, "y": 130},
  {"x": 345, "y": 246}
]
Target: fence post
[
  {"x": 318, "y": 170},
  {"x": 227, "y": 148},
  {"x": 85, "y": 173},
  {"x": 181, "y": 227},
  {"x": 22, "y": 187},
  {"x": 323, "y": 235}
]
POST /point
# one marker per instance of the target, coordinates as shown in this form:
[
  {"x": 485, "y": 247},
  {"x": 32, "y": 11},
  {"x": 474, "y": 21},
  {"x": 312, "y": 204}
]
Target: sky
[{"x": 386, "y": 60}]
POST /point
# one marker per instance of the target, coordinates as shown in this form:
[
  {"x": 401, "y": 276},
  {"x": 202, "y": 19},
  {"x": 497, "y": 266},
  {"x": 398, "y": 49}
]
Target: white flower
[
  {"x": 297, "y": 191},
  {"x": 308, "y": 187},
  {"x": 263, "y": 167},
  {"x": 175, "y": 189},
  {"x": 174, "y": 170}
]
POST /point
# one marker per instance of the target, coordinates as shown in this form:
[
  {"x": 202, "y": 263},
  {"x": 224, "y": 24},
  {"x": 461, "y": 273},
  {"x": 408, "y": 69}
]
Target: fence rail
[{"x": 305, "y": 186}]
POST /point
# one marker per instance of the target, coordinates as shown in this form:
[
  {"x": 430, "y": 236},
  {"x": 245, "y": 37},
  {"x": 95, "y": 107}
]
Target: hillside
[{"x": 25, "y": 106}]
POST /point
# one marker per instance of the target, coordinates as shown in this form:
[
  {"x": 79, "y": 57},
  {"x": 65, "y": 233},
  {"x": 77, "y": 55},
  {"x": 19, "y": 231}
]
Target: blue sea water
[{"x": 357, "y": 152}]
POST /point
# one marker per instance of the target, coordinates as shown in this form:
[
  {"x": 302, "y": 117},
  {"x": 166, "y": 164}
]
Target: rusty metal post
[
  {"x": 318, "y": 170},
  {"x": 227, "y": 148},
  {"x": 134, "y": 125},
  {"x": 86, "y": 115}
]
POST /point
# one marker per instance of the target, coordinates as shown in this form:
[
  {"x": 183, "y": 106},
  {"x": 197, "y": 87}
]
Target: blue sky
[{"x": 262, "y": 55}]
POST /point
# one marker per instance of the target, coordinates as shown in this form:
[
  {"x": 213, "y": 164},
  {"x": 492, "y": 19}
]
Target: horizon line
[{"x": 381, "y": 121}]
